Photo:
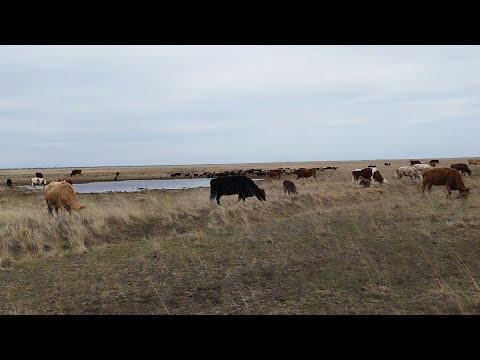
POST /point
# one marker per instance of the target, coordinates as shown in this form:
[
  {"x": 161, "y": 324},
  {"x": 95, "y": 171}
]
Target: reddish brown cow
[
  {"x": 463, "y": 168},
  {"x": 274, "y": 173},
  {"x": 306, "y": 173},
  {"x": 289, "y": 186},
  {"x": 445, "y": 177}
]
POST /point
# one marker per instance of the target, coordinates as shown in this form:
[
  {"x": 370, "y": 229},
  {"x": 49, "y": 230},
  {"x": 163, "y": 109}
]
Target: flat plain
[{"x": 335, "y": 248}]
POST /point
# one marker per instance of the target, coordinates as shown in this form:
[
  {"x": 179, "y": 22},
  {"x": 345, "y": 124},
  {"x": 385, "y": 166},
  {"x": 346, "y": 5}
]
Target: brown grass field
[{"x": 334, "y": 248}]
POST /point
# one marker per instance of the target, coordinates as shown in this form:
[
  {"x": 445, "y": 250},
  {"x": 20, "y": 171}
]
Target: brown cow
[
  {"x": 306, "y": 173},
  {"x": 274, "y": 173},
  {"x": 39, "y": 174},
  {"x": 413, "y": 162},
  {"x": 473, "y": 162},
  {"x": 76, "y": 172},
  {"x": 444, "y": 177},
  {"x": 9, "y": 183},
  {"x": 463, "y": 168},
  {"x": 60, "y": 194},
  {"x": 289, "y": 186}
]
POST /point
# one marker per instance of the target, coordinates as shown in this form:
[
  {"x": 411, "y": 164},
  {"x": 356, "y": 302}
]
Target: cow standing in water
[
  {"x": 38, "y": 181},
  {"x": 231, "y": 185}
]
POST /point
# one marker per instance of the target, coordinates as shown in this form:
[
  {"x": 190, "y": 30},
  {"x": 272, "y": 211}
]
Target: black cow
[
  {"x": 231, "y": 185},
  {"x": 9, "y": 183},
  {"x": 40, "y": 175}
]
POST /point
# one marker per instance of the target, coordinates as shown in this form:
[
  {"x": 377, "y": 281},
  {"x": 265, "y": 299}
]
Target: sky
[{"x": 102, "y": 105}]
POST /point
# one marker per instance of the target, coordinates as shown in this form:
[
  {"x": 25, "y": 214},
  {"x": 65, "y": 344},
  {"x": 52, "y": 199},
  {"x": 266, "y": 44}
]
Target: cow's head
[
  {"x": 377, "y": 176},
  {"x": 260, "y": 194},
  {"x": 464, "y": 192}
]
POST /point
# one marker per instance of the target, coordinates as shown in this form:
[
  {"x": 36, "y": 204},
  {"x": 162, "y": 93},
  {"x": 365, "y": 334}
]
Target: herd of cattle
[{"x": 61, "y": 194}]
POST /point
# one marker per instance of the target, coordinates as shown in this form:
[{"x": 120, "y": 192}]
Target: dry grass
[{"x": 333, "y": 248}]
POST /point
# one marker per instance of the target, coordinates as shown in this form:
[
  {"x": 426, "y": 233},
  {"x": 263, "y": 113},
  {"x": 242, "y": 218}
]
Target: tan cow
[{"x": 60, "y": 194}]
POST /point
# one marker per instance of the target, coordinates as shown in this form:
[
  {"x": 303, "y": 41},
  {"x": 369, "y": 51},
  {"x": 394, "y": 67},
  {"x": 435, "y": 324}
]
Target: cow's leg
[
  {"x": 56, "y": 208},
  {"x": 218, "y": 199},
  {"x": 449, "y": 190}
]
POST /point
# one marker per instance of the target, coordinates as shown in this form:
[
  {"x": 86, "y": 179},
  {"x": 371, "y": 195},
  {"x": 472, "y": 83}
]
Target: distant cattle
[
  {"x": 39, "y": 175},
  {"x": 38, "y": 181},
  {"x": 330, "y": 167},
  {"x": 238, "y": 184},
  {"x": 409, "y": 171},
  {"x": 463, "y": 168},
  {"x": 433, "y": 163},
  {"x": 274, "y": 173},
  {"x": 305, "y": 173},
  {"x": 364, "y": 182},
  {"x": 289, "y": 186},
  {"x": 474, "y": 161},
  {"x": 413, "y": 162},
  {"x": 76, "y": 172},
  {"x": 387, "y": 164},
  {"x": 372, "y": 166},
  {"x": 444, "y": 177},
  {"x": 175, "y": 174},
  {"x": 67, "y": 180},
  {"x": 61, "y": 195},
  {"x": 9, "y": 183},
  {"x": 371, "y": 174}
]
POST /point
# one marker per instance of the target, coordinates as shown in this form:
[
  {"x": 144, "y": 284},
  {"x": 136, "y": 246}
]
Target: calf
[
  {"x": 289, "y": 186},
  {"x": 463, "y": 168}
]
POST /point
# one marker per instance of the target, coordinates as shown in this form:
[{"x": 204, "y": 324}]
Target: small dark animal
[
  {"x": 39, "y": 175},
  {"x": 387, "y": 164},
  {"x": 463, "y": 168},
  {"x": 413, "y": 162},
  {"x": 231, "y": 185},
  {"x": 274, "y": 173},
  {"x": 364, "y": 182},
  {"x": 9, "y": 183},
  {"x": 76, "y": 172},
  {"x": 289, "y": 186},
  {"x": 117, "y": 174},
  {"x": 372, "y": 166}
]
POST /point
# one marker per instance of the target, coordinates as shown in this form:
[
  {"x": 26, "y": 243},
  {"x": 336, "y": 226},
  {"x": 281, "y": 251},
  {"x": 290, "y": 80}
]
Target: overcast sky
[{"x": 160, "y": 105}]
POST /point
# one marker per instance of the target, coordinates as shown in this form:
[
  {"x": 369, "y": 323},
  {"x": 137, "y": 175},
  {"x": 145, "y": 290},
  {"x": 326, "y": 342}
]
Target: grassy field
[{"x": 334, "y": 248}]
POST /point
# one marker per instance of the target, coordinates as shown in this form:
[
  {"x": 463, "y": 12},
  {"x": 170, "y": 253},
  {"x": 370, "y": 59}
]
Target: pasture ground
[{"x": 334, "y": 248}]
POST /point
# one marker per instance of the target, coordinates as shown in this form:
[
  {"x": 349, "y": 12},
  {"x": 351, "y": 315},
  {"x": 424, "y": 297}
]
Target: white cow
[
  {"x": 410, "y": 171},
  {"x": 38, "y": 181}
]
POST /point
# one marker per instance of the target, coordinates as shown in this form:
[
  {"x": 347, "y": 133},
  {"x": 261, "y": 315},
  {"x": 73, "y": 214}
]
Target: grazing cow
[
  {"x": 274, "y": 173},
  {"x": 371, "y": 174},
  {"x": 306, "y": 173},
  {"x": 473, "y": 162},
  {"x": 444, "y": 177},
  {"x": 364, "y": 182},
  {"x": 372, "y": 166},
  {"x": 463, "y": 168},
  {"x": 420, "y": 167},
  {"x": 387, "y": 164},
  {"x": 76, "y": 172},
  {"x": 410, "y": 171},
  {"x": 238, "y": 184},
  {"x": 413, "y": 162},
  {"x": 289, "y": 186},
  {"x": 67, "y": 180},
  {"x": 39, "y": 175},
  {"x": 9, "y": 183},
  {"x": 38, "y": 181},
  {"x": 433, "y": 163},
  {"x": 117, "y": 174},
  {"x": 60, "y": 194}
]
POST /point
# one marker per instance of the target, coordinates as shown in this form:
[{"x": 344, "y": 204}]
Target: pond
[{"x": 136, "y": 185}]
